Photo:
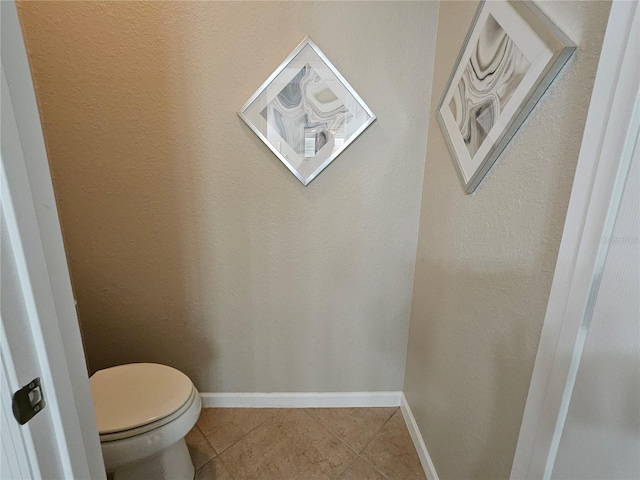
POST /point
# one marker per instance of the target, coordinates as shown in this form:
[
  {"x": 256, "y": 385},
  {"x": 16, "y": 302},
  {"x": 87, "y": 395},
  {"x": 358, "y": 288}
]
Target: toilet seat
[
  {"x": 133, "y": 399},
  {"x": 132, "y": 432}
]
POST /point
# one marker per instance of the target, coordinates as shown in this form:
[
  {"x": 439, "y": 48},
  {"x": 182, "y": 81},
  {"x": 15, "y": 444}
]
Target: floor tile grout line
[
  {"x": 204, "y": 465},
  {"x": 412, "y": 446},
  {"x": 207, "y": 463},
  {"x": 280, "y": 410},
  {"x": 206, "y": 439},
  {"x": 371, "y": 440},
  {"x": 378, "y": 431},
  {"x": 341, "y": 474},
  {"x": 226, "y": 468},
  {"x": 339, "y": 439},
  {"x": 245, "y": 435},
  {"x": 217, "y": 455},
  {"x": 373, "y": 466},
  {"x": 335, "y": 435},
  {"x": 358, "y": 454},
  {"x": 327, "y": 429}
]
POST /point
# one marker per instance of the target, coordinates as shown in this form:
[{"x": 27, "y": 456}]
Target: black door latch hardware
[{"x": 28, "y": 401}]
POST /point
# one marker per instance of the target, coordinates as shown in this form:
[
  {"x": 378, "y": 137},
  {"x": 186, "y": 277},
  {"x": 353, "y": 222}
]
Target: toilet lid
[{"x": 129, "y": 396}]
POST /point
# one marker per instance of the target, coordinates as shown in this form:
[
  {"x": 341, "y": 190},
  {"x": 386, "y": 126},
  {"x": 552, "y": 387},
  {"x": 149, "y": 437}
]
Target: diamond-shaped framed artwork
[
  {"x": 306, "y": 112},
  {"x": 511, "y": 55}
]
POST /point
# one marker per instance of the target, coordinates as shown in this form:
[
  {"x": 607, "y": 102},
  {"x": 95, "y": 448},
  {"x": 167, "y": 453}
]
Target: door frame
[
  {"x": 29, "y": 208},
  {"x": 610, "y": 132}
]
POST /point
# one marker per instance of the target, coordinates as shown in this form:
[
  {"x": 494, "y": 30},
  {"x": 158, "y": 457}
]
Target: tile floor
[{"x": 303, "y": 444}]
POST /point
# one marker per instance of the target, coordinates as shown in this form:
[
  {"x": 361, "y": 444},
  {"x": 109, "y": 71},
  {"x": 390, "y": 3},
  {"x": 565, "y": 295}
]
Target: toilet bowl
[{"x": 143, "y": 412}]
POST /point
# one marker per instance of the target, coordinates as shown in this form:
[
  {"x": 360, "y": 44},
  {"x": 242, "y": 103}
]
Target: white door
[
  {"x": 40, "y": 337},
  {"x": 601, "y": 433},
  {"x": 582, "y": 417}
]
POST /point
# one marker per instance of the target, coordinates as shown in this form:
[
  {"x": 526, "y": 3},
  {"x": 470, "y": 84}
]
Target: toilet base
[{"x": 172, "y": 463}]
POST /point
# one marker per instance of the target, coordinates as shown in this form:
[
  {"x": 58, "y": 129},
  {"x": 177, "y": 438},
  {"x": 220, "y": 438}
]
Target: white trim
[
  {"x": 301, "y": 399},
  {"x": 418, "y": 440},
  {"x": 28, "y": 204},
  {"x": 589, "y": 215},
  {"x": 18, "y": 452}
]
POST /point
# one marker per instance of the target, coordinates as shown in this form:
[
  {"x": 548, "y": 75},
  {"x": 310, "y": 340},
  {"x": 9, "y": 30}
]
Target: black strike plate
[{"x": 28, "y": 401}]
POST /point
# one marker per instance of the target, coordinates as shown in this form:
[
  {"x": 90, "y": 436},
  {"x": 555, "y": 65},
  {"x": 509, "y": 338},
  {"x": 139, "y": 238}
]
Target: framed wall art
[
  {"x": 306, "y": 112},
  {"x": 511, "y": 55}
]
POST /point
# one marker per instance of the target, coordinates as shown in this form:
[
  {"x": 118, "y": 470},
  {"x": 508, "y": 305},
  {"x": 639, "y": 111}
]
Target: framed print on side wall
[{"x": 511, "y": 55}]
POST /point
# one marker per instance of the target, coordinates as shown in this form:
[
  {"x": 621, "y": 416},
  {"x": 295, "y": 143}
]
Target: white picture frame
[
  {"x": 509, "y": 58},
  {"x": 306, "y": 112}
]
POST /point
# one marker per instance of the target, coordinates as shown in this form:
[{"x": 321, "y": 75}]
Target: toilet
[{"x": 143, "y": 412}]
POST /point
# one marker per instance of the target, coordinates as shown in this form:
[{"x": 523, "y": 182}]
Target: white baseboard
[
  {"x": 418, "y": 441},
  {"x": 301, "y": 400}
]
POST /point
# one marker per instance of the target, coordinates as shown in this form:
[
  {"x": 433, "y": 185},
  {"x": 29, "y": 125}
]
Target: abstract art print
[
  {"x": 306, "y": 112},
  {"x": 494, "y": 71},
  {"x": 510, "y": 56}
]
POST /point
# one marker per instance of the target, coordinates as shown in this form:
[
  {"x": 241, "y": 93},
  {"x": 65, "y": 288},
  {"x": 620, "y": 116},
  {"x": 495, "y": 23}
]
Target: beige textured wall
[
  {"x": 485, "y": 261},
  {"x": 189, "y": 242}
]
